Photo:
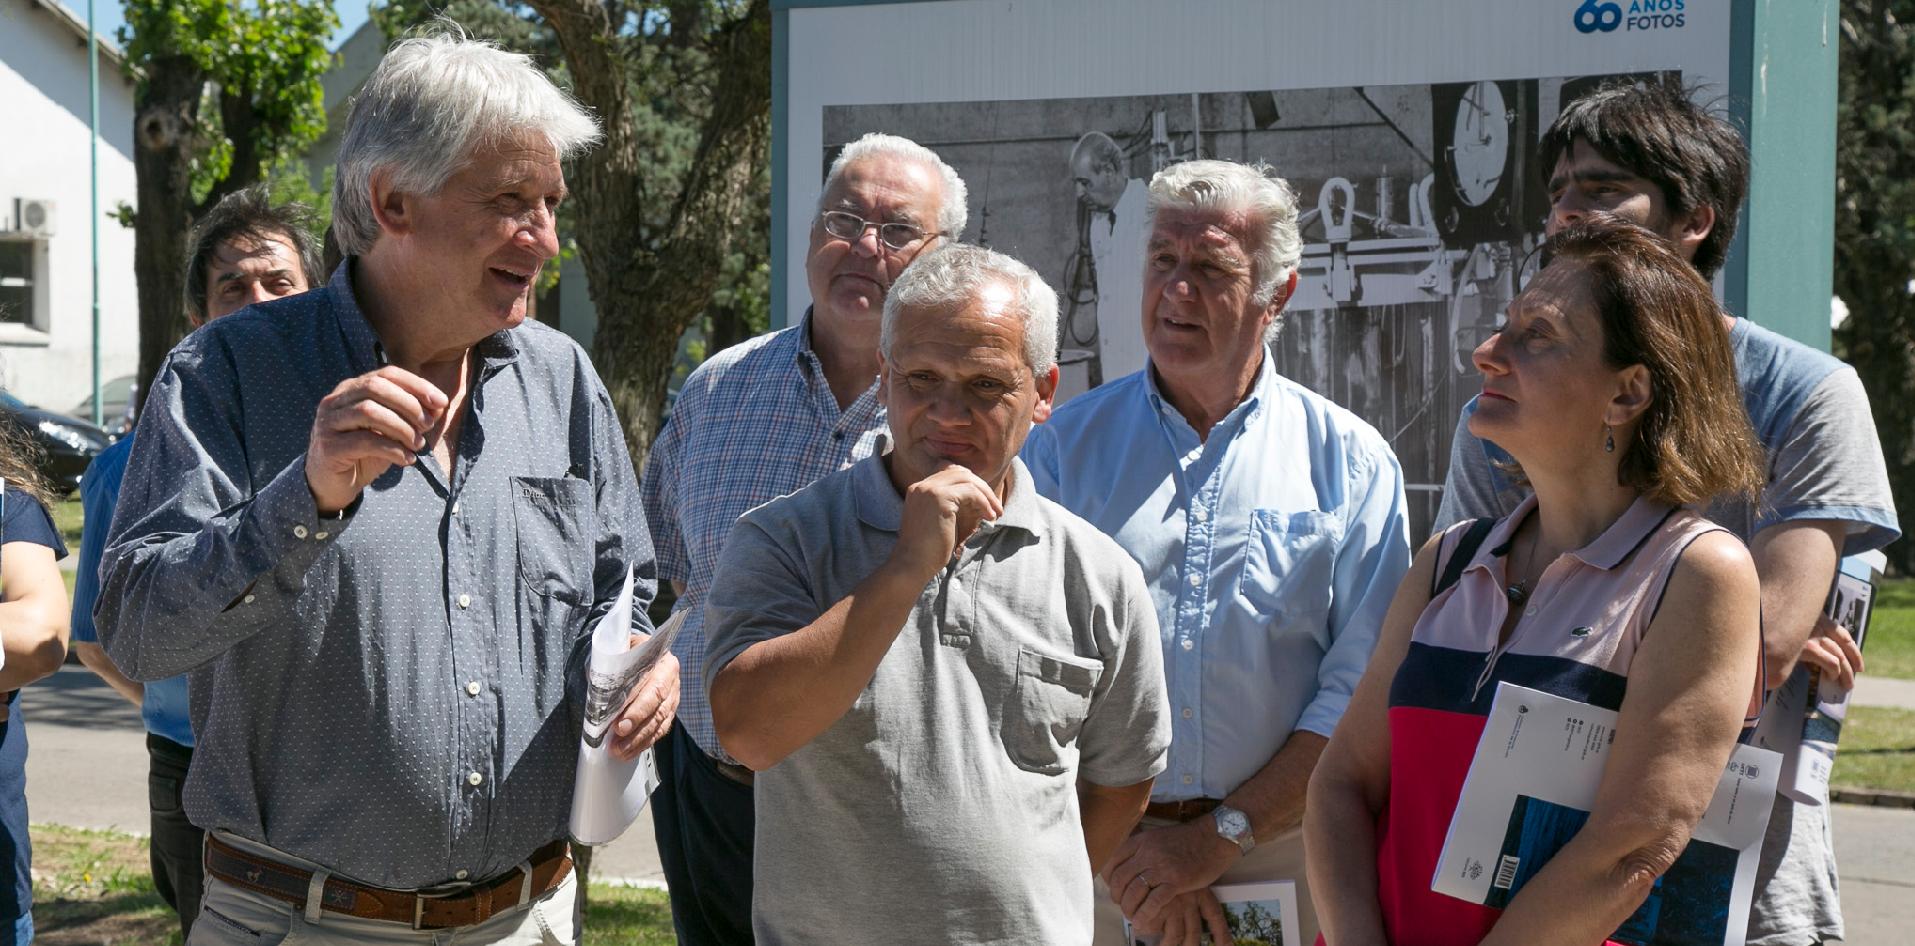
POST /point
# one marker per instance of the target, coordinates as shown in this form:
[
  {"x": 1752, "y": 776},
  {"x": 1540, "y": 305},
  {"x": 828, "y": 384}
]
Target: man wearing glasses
[{"x": 757, "y": 421}]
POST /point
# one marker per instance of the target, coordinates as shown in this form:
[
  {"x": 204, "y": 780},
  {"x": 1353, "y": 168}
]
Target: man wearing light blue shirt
[{"x": 1271, "y": 528}]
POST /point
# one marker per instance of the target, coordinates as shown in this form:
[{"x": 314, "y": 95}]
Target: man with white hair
[
  {"x": 1270, "y": 524},
  {"x": 376, "y": 522},
  {"x": 757, "y": 421},
  {"x": 948, "y": 685}
]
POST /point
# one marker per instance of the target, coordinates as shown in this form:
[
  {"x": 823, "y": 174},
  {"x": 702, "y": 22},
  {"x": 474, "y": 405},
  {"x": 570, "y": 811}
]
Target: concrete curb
[{"x": 1868, "y": 796}]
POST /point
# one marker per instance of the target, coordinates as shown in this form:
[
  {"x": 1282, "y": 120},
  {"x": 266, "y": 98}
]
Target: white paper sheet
[
  {"x": 608, "y": 794},
  {"x": 1530, "y": 788},
  {"x": 1804, "y": 716},
  {"x": 1262, "y": 912}
]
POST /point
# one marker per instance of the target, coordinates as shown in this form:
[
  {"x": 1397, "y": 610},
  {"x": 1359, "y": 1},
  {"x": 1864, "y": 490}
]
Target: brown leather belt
[
  {"x": 736, "y": 773},
  {"x": 1180, "y": 811},
  {"x": 467, "y": 907}
]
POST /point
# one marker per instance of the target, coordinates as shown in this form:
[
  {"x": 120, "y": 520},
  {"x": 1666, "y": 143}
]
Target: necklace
[{"x": 1518, "y": 592}]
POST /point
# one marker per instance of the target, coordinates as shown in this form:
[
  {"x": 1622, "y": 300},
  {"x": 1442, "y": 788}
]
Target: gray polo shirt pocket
[
  {"x": 1053, "y": 698},
  {"x": 554, "y": 520}
]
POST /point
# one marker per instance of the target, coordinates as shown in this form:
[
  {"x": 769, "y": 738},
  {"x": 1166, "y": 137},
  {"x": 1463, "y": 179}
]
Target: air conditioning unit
[{"x": 33, "y": 216}]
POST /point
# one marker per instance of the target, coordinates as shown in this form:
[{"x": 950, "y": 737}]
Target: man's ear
[
  {"x": 391, "y": 207},
  {"x": 1633, "y": 395},
  {"x": 1282, "y": 296},
  {"x": 1689, "y": 230},
  {"x": 1046, "y": 396}
]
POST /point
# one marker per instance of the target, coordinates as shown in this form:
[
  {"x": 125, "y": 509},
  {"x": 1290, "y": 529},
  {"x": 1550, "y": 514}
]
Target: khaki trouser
[{"x": 1280, "y": 858}]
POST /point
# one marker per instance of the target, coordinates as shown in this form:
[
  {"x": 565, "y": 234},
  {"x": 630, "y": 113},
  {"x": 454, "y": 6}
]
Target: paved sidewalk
[
  {"x": 1884, "y": 692},
  {"x": 86, "y": 767}
]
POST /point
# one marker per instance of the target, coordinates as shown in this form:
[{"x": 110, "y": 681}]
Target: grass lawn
[
  {"x": 66, "y": 517},
  {"x": 1889, "y": 650},
  {"x": 1878, "y": 750},
  {"x": 92, "y": 888}
]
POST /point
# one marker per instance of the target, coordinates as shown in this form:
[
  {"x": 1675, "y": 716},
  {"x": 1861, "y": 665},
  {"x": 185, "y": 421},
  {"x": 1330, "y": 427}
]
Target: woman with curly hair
[{"x": 33, "y": 633}]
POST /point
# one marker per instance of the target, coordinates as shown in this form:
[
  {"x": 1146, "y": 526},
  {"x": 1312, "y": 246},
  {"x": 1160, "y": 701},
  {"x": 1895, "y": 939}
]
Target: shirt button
[
  {"x": 1194, "y": 579},
  {"x": 1531, "y": 612},
  {"x": 1202, "y": 514},
  {"x": 465, "y": 601},
  {"x": 299, "y": 532},
  {"x": 473, "y": 688},
  {"x": 455, "y": 509},
  {"x": 462, "y": 874},
  {"x": 1188, "y": 712},
  {"x": 1188, "y": 779},
  {"x": 321, "y": 535},
  {"x": 250, "y": 598},
  {"x": 474, "y": 779},
  {"x": 1187, "y": 643}
]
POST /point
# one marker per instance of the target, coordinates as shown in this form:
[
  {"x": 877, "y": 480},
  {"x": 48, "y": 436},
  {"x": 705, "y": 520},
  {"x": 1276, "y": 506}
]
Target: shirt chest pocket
[
  {"x": 554, "y": 519},
  {"x": 1047, "y": 712},
  {"x": 1288, "y": 566}
]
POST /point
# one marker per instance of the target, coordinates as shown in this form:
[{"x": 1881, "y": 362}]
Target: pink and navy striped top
[{"x": 1577, "y": 637}]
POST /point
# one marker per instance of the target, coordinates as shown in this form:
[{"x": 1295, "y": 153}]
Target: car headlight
[{"x": 74, "y": 440}]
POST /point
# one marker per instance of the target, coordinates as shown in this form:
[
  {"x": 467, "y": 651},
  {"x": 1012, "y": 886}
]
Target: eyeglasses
[{"x": 844, "y": 225}]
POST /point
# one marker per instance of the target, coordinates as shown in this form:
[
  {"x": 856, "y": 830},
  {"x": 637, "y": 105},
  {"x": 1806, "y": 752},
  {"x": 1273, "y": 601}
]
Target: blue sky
[{"x": 108, "y": 17}]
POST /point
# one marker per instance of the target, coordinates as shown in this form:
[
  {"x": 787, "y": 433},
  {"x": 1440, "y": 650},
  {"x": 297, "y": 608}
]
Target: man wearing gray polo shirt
[{"x": 950, "y": 687}]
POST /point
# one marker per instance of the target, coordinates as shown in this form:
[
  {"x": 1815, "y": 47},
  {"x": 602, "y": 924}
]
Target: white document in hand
[
  {"x": 1531, "y": 786},
  {"x": 608, "y": 794}
]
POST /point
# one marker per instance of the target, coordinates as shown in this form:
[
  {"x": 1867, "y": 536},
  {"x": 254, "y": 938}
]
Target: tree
[
  {"x": 658, "y": 221},
  {"x": 226, "y": 92},
  {"x": 1875, "y": 228}
]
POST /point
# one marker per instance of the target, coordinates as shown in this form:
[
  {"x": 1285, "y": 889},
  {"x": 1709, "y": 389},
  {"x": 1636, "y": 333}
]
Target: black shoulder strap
[{"x": 1460, "y": 556}]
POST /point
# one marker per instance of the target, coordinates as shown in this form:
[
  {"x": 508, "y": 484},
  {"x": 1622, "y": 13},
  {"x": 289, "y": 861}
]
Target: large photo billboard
[{"x": 1408, "y": 131}]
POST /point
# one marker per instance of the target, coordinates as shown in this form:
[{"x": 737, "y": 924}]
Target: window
[{"x": 17, "y": 282}]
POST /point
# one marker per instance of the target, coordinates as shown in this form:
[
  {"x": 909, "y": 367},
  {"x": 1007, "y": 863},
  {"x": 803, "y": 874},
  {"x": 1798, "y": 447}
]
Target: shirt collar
[
  {"x": 363, "y": 345},
  {"x": 880, "y": 506},
  {"x": 1247, "y": 408},
  {"x": 1606, "y": 551}
]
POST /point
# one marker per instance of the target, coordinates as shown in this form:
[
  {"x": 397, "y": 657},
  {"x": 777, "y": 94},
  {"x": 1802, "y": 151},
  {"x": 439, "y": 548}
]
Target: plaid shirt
[{"x": 755, "y": 422}]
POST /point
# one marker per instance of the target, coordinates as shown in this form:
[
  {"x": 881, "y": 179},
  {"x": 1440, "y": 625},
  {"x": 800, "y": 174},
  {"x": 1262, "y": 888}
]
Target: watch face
[{"x": 1232, "y": 823}]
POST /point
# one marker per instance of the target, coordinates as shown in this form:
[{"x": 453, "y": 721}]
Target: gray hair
[
  {"x": 953, "y": 211},
  {"x": 953, "y": 275},
  {"x": 432, "y": 102},
  {"x": 1255, "y": 189}
]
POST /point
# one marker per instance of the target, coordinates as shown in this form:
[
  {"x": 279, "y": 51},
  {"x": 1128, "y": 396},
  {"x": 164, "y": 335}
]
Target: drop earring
[{"x": 1608, "y": 440}]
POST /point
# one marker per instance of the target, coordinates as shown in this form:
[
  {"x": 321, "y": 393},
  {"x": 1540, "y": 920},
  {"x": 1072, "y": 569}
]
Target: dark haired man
[
  {"x": 246, "y": 250},
  {"x": 1651, "y": 155}
]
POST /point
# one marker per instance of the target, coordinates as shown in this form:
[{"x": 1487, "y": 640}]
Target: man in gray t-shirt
[{"x": 950, "y": 687}]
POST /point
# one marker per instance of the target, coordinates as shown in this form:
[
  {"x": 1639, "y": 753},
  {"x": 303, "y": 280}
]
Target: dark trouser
[
  {"x": 177, "y": 843},
  {"x": 704, "y": 824}
]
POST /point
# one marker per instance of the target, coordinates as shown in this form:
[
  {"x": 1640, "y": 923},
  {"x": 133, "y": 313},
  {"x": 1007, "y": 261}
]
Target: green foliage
[
  {"x": 1875, "y": 228},
  {"x": 261, "y": 62}
]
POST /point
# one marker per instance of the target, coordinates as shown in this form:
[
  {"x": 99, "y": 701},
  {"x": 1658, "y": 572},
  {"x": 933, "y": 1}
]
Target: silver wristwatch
[{"x": 1234, "y": 826}]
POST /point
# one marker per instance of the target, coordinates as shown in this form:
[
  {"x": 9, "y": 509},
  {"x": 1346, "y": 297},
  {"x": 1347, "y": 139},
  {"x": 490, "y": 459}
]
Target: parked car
[
  {"x": 67, "y": 444},
  {"x": 116, "y": 406}
]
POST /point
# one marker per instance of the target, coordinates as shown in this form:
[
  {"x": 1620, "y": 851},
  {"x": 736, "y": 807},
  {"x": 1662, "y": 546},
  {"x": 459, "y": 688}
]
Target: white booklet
[
  {"x": 1804, "y": 715},
  {"x": 1530, "y": 789},
  {"x": 1258, "y": 914},
  {"x": 608, "y": 794}
]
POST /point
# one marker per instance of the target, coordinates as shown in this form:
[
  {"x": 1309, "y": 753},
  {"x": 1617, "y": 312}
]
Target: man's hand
[
  {"x": 1155, "y": 866},
  {"x": 1833, "y": 653},
  {"x": 366, "y": 426},
  {"x": 940, "y": 512},
  {"x": 648, "y": 713},
  {"x": 1187, "y": 916}
]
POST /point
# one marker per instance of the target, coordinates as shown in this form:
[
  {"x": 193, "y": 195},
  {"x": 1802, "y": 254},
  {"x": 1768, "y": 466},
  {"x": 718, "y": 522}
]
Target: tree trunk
[
  {"x": 648, "y": 292},
  {"x": 166, "y": 137}
]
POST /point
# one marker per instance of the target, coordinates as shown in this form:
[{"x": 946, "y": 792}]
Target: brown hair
[
  {"x": 1693, "y": 442},
  {"x": 18, "y": 454}
]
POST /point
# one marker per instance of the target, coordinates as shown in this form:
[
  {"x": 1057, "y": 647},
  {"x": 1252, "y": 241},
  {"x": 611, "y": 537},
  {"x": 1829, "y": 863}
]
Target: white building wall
[{"x": 43, "y": 155}]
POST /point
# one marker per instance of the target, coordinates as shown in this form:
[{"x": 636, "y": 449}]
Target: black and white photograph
[{"x": 1420, "y": 205}]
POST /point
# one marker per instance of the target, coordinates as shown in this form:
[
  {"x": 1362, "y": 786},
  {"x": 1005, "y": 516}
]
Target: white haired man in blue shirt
[{"x": 1271, "y": 527}]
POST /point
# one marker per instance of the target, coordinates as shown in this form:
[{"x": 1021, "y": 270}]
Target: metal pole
[{"x": 93, "y": 192}]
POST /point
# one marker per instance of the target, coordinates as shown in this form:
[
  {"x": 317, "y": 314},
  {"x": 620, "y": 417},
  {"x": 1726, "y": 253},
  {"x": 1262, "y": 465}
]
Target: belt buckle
[{"x": 418, "y": 912}]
